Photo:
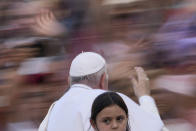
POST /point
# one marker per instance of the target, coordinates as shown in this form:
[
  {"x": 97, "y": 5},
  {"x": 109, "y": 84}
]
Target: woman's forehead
[{"x": 112, "y": 111}]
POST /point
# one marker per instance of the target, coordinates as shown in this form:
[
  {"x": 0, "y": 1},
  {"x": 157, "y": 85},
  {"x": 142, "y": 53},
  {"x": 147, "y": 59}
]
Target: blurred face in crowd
[{"x": 112, "y": 118}]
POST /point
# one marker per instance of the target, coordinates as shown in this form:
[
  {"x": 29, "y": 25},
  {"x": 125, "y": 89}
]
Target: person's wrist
[
  {"x": 144, "y": 98},
  {"x": 146, "y": 95},
  {"x": 143, "y": 94}
]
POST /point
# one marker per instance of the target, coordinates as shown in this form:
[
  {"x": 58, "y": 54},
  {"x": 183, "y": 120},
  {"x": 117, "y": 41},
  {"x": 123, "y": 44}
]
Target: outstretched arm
[{"x": 141, "y": 86}]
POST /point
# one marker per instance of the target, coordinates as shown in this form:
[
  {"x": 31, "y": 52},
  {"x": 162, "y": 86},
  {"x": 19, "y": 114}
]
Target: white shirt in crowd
[{"x": 72, "y": 112}]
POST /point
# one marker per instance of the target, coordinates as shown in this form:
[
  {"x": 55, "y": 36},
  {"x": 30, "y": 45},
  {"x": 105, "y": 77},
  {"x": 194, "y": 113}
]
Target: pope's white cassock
[{"x": 72, "y": 112}]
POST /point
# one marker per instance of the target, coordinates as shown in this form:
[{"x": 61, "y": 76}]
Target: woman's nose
[{"x": 114, "y": 124}]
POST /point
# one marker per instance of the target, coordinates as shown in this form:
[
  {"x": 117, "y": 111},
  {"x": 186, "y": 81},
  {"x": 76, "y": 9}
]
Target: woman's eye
[
  {"x": 120, "y": 118},
  {"x": 106, "y": 121}
]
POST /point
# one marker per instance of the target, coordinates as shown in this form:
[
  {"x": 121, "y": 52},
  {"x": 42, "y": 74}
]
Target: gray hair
[{"x": 92, "y": 79}]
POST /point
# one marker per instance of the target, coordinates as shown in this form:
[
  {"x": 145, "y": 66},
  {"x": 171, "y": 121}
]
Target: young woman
[{"x": 109, "y": 112}]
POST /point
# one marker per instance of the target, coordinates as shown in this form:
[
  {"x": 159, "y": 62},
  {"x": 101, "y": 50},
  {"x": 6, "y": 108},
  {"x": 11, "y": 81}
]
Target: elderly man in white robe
[{"x": 88, "y": 79}]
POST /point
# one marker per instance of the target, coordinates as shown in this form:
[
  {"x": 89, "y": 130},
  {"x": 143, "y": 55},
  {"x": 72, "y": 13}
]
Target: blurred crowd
[{"x": 39, "y": 38}]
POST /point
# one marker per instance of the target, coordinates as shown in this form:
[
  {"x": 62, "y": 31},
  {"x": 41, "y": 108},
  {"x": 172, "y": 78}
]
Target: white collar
[{"x": 81, "y": 86}]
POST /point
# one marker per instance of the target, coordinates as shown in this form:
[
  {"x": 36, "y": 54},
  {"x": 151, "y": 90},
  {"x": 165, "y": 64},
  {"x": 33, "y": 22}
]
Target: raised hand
[
  {"x": 141, "y": 84},
  {"x": 47, "y": 24}
]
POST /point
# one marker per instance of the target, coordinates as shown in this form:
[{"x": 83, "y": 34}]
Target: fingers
[
  {"x": 47, "y": 16},
  {"x": 44, "y": 22},
  {"x": 140, "y": 85},
  {"x": 51, "y": 16},
  {"x": 141, "y": 74},
  {"x": 45, "y": 19},
  {"x": 135, "y": 85},
  {"x": 134, "y": 81}
]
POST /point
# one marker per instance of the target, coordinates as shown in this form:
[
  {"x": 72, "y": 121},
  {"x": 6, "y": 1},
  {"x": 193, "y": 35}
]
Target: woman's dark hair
[{"x": 105, "y": 100}]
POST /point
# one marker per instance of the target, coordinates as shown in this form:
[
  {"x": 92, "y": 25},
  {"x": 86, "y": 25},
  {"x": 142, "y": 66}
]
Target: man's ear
[
  {"x": 68, "y": 81},
  {"x": 102, "y": 81}
]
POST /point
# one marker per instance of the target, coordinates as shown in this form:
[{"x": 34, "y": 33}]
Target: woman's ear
[{"x": 93, "y": 124}]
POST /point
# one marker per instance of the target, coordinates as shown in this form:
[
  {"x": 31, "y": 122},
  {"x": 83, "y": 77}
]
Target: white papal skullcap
[{"x": 86, "y": 63}]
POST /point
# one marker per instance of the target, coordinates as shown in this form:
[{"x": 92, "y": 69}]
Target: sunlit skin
[{"x": 112, "y": 118}]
